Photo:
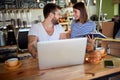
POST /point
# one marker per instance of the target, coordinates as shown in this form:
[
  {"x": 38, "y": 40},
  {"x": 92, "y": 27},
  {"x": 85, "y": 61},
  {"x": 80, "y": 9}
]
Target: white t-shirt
[{"x": 39, "y": 31}]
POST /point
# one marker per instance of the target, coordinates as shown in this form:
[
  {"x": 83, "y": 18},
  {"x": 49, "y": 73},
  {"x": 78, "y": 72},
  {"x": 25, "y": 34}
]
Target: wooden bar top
[
  {"x": 108, "y": 39},
  {"x": 29, "y": 70}
]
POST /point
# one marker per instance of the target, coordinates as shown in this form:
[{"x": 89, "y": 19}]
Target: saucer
[{"x": 14, "y": 67}]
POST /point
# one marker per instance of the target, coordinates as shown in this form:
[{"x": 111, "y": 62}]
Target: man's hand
[{"x": 32, "y": 45}]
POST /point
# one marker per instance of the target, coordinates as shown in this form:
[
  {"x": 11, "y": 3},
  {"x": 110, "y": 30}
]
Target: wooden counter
[
  {"x": 30, "y": 71},
  {"x": 108, "y": 39}
]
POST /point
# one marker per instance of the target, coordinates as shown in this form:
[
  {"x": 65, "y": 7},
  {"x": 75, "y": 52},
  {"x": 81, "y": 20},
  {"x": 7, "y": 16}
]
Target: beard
[{"x": 55, "y": 21}]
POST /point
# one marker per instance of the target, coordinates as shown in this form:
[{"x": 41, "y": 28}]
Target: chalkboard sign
[{"x": 16, "y": 4}]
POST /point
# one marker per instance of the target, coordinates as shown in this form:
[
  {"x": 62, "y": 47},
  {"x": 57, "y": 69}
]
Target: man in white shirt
[{"x": 49, "y": 29}]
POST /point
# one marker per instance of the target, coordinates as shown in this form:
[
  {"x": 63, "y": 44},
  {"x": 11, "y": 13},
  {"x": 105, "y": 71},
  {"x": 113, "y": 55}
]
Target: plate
[{"x": 15, "y": 67}]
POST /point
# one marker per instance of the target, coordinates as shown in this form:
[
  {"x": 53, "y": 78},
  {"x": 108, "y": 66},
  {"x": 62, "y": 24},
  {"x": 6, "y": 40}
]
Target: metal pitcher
[{"x": 2, "y": 38}]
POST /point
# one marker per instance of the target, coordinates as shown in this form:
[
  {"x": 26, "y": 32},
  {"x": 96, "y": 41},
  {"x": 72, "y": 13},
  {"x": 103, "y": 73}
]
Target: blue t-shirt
[{"x": 78, "y": 29}]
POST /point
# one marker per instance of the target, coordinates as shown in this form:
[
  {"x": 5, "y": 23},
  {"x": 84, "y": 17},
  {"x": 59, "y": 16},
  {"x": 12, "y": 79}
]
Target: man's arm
[
  {"x": 65, "y": 35},
  {"x": 32, "y": 45}
]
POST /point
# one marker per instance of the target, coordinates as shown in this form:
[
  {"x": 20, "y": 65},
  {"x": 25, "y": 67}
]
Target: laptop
[{"x": 60, "y": 53}]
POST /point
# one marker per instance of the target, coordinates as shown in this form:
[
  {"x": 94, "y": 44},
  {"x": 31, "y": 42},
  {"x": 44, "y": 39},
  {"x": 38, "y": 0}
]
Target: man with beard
[
  {"x": 48, "y": 30},
  {"x": 81, "y": 25}
]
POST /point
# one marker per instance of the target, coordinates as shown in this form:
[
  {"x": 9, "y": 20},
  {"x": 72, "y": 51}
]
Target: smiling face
[
  {"x": 56, "y": 17},
  {"x": 76, "y": 14},
  {"x": 80, "y": 12}
]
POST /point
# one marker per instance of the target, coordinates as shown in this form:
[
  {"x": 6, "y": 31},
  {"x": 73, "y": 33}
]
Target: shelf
[{"x": 65, "y": 25}]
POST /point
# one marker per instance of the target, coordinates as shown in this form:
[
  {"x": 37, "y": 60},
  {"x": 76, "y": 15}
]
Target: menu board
[{"x": 16, "y": 4}]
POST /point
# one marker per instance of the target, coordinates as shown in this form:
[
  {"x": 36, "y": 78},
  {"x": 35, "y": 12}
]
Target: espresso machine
[{"x": 11, "y": 39}]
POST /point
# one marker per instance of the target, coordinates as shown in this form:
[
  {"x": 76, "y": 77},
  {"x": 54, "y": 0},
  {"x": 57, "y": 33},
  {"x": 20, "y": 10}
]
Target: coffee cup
[{"x": 11, "y": 62}]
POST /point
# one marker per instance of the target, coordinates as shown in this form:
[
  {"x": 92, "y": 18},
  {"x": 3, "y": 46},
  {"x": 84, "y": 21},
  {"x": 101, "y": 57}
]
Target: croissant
[{"x": 95, "y": 57}]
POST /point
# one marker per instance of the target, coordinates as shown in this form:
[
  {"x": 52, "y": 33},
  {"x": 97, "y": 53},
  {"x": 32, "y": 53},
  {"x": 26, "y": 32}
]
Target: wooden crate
[{"x": 114, "y": 48}]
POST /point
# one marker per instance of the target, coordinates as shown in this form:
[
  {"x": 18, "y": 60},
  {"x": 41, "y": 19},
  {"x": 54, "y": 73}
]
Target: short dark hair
[
  {"x": 81, "y": 6},
  {"x": 50, "y": 7}
]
